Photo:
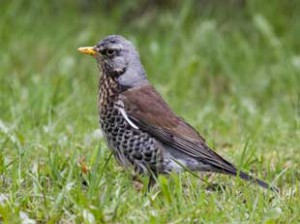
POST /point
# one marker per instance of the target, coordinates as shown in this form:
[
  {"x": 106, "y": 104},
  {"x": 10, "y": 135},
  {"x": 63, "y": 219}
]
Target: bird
[{"x": 140, "y": 128}]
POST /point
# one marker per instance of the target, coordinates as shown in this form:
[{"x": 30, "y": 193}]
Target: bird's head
[{"x": 118, "y": 58}]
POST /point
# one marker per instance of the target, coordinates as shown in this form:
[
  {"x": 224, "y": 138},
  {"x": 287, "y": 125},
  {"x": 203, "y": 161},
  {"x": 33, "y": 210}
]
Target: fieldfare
[{"x": 139, "y": 126}]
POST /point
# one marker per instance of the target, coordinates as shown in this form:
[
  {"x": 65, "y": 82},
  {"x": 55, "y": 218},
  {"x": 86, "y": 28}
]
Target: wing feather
[{"x": 146, "y": 108}]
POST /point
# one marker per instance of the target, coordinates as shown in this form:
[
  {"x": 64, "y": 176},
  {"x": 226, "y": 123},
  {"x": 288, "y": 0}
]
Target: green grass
[{"x": 231, "y": 72}]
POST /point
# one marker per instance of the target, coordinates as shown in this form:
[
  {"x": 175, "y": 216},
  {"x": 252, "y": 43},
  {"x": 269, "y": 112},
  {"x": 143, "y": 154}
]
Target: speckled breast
[{"x": 132, "y": 147}]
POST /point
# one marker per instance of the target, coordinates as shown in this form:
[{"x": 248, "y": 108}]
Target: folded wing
[{"x": 146, "y": 108}]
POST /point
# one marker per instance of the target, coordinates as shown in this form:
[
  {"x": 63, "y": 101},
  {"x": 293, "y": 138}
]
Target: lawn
[{"x": 231, "y": 69}]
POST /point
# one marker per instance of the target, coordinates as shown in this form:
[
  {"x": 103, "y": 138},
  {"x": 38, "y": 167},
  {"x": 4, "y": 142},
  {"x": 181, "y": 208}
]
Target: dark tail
[
  {"x": 257, "y": 181},
  {"x": 221, "y": 165}
]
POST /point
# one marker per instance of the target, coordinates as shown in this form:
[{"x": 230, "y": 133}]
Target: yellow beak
[{"x": 87, "y": 50}]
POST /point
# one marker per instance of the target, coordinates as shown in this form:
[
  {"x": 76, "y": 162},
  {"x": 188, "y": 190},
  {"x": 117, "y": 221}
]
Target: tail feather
[
  {"x": 219, "y": 164},
  {"x": 233, "y": 171},
  {"x": 255, "y": 180}
]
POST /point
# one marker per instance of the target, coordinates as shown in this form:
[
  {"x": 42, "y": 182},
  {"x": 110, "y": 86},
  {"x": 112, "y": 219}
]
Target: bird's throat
[{"x": 108, "y": 91}]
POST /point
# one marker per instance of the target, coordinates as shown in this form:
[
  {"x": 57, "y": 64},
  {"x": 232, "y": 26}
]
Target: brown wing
[
  {"x": 145, "y": 104},
  {"x": 146, "y": 108}
]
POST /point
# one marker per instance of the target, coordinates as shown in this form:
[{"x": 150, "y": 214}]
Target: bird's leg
[{"x": 151, "y": 183}]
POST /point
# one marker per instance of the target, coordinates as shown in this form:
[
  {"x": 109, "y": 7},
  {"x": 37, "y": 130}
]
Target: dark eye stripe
[
  {"x": 102, "y": 51},
  {"x": 109, "y": 51}
]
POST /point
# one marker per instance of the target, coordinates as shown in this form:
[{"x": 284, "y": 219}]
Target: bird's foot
[{"x": 137, "y": 184}]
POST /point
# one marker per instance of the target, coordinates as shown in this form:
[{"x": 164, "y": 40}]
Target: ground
[{"x": 232, "y": 71}]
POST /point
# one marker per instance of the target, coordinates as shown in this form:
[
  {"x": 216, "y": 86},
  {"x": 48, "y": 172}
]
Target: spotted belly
[{"x": 131, "y": 146}]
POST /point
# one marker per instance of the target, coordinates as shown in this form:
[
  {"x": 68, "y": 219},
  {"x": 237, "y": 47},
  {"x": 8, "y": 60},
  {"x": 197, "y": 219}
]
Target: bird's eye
[{"x": 110, "y": 52}]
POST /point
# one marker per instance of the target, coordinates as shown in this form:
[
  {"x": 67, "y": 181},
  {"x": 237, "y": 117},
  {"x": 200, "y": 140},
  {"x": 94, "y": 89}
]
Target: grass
[{"x": 232, "y": 72}]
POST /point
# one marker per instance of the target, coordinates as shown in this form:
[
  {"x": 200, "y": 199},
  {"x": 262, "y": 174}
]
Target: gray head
[{"x": 118, "y": 58}]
